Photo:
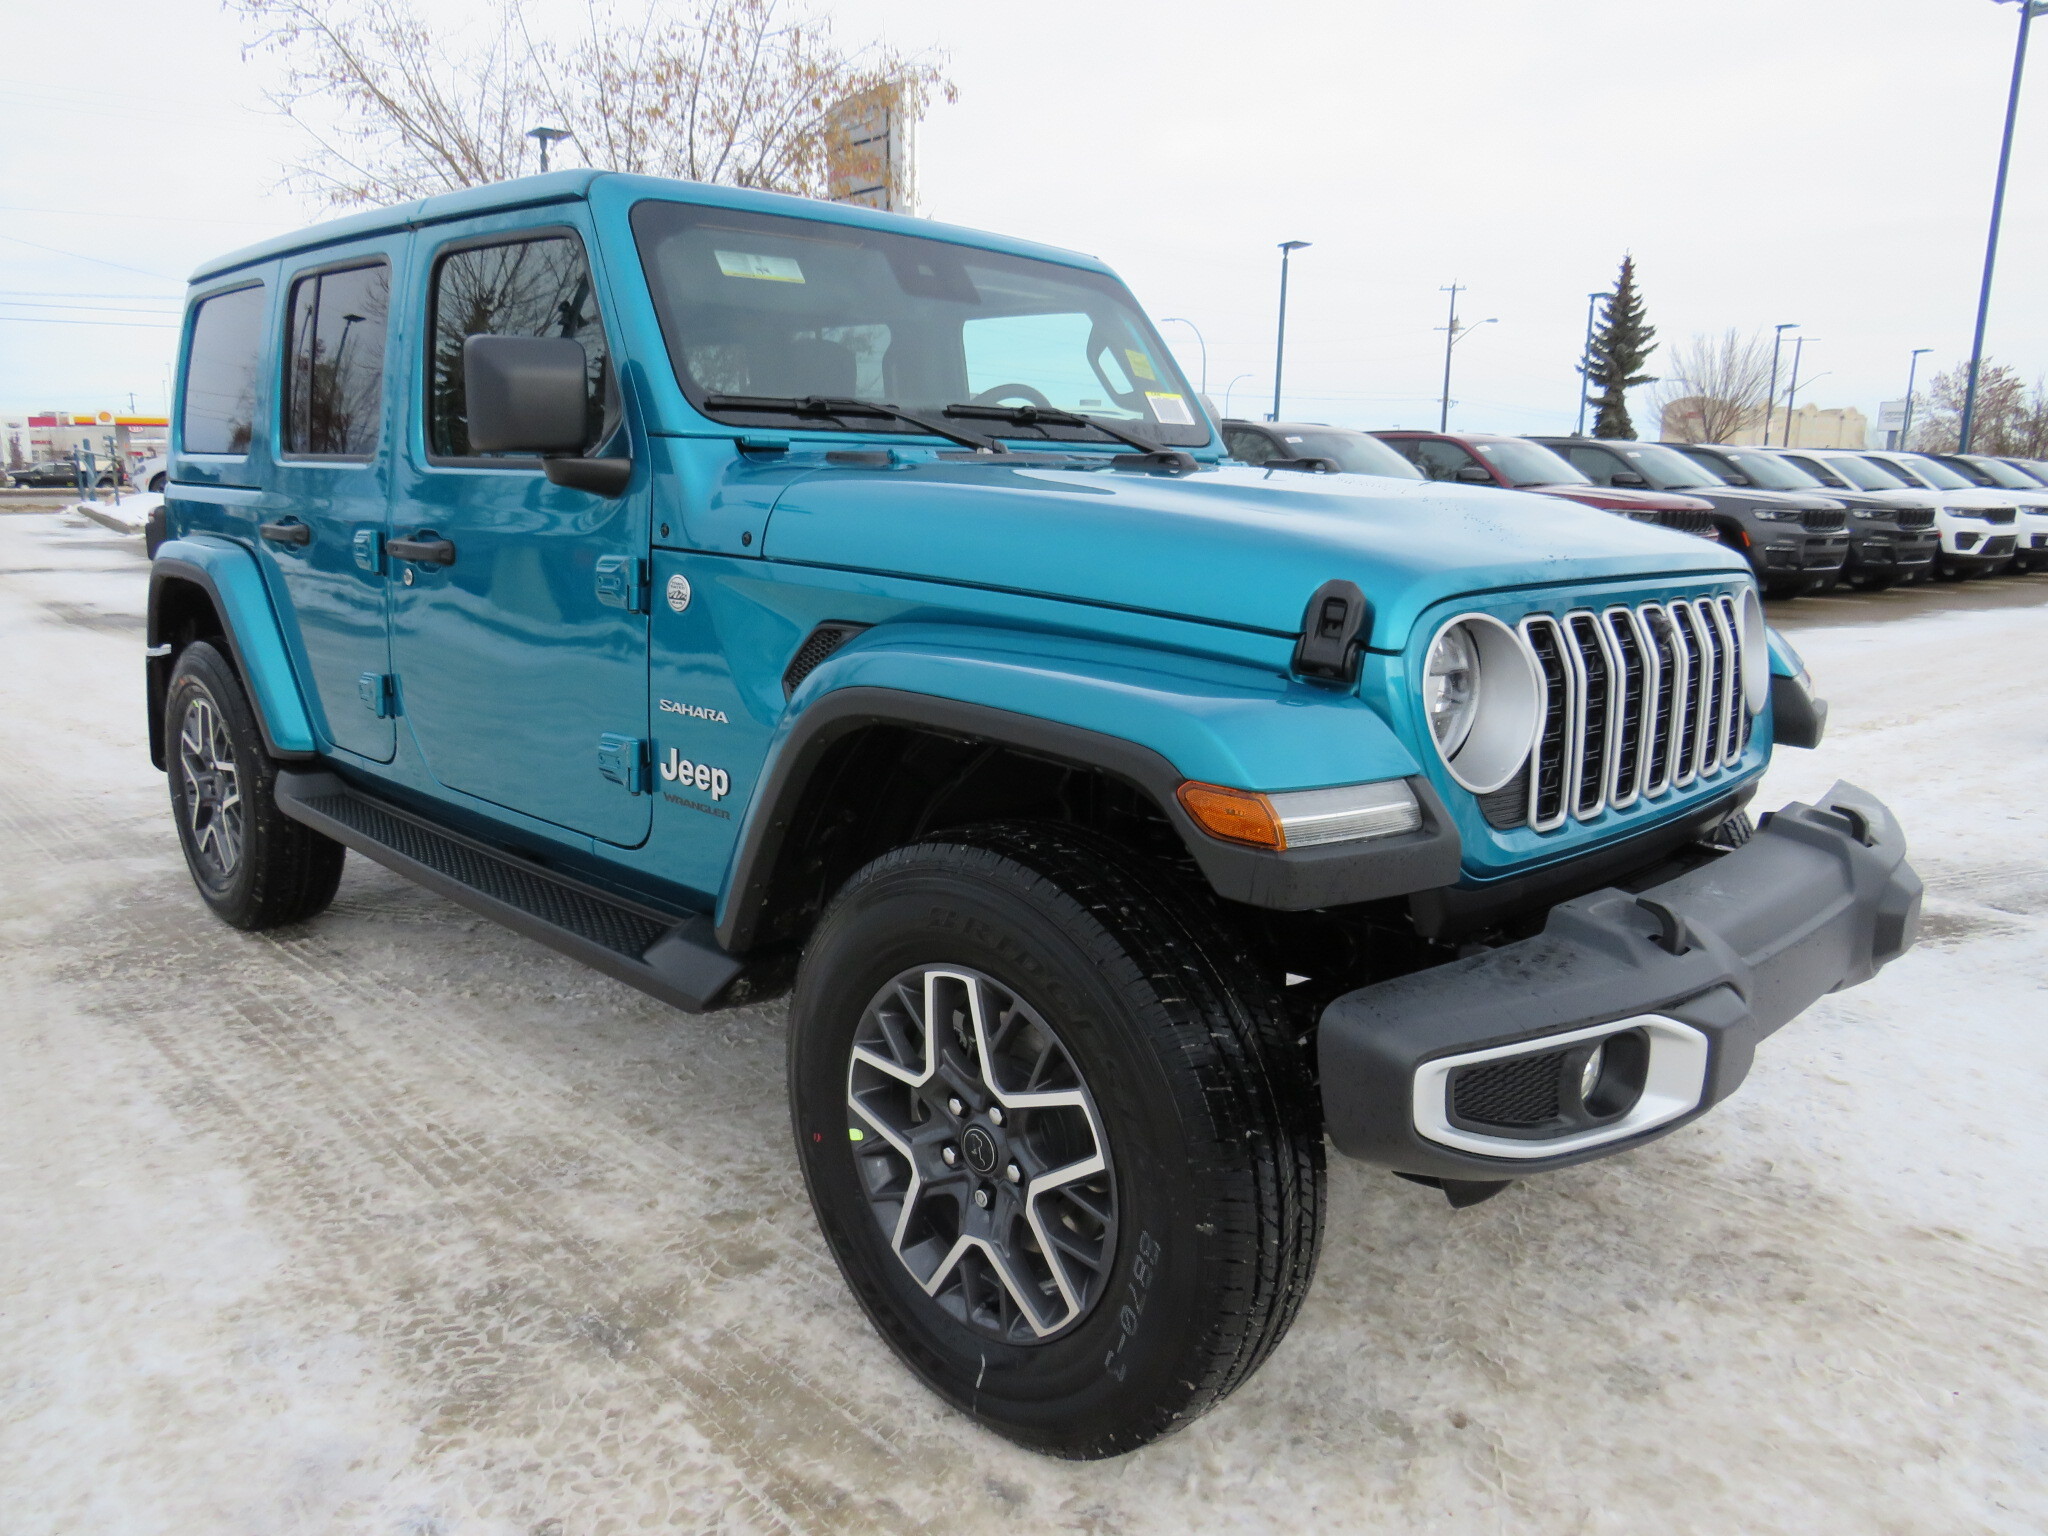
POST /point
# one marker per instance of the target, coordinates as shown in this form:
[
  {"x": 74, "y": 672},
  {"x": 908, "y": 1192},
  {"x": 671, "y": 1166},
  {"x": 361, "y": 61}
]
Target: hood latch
[{"x": 1330, "y": 634}]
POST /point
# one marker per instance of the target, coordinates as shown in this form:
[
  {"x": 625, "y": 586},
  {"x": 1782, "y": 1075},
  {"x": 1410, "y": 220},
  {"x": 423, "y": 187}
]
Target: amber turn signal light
[{"x": 1235, "y": 815}]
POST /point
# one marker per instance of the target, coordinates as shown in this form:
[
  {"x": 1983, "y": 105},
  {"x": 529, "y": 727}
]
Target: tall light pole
[
  {"x": 1177, "y": 320},
  {"x": 1287, "y": 249},
  {"x": 547, "y": 136},
  {"x": 1771, "y": 399},
  {"x": 2029, "y": 9},
  {"x": 1452, "y": 336},
  {"x": 1792, "y": 393},
  {"x": 1586, "y": 363},
  {"x": 1226, "y": 394},
  {"x": 1912, "y": 370}
]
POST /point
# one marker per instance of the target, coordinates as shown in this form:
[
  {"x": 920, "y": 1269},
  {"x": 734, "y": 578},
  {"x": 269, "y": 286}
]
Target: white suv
[
  {"x": 1979, "y": 528},
  {"x": 2002, "y": 479}
]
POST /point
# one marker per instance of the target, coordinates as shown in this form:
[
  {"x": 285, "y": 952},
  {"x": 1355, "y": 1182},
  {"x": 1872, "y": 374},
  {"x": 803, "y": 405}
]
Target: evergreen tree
[{"x": 1622, "y": 343}]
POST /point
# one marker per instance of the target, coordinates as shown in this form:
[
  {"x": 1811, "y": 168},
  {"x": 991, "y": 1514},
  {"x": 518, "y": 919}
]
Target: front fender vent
[{"x": 818, "y": 644}]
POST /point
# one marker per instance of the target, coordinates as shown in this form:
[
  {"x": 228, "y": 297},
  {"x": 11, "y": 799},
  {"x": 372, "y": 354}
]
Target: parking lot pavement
[
  {"x": 1845, "y": 605},
  {"x": 396, "y": 1222}
]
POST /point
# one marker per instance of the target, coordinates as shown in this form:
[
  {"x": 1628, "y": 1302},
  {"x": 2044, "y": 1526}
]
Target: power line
[
  {"x": 81, "y": 256},
  {"x": 92, "y": 309},
  {"x": 124, "y": 325}
]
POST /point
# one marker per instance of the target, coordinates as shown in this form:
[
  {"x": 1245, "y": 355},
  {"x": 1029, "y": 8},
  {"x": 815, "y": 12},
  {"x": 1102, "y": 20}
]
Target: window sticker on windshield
[
  {"x": 768, "y": 269},
  {"x": 1141, "y": 365},
  {"x": 1170, "y": 410},
  {"x": 1294, "y": 439}
]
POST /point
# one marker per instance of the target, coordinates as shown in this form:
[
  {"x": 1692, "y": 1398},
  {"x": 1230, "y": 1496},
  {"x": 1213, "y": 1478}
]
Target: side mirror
[
  {"x": 1474, "y": 474},
  {"x": 1627, "y": 477},
  {"x": 525, "y": 394},
  {"x": 529, "y": 394}
]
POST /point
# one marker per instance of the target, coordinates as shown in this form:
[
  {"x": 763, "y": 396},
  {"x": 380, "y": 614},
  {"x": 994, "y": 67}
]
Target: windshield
[
  {"x": 1531, "y": 464},
  {"x": 763, "y": 305},
  {"x": 1770, "y": 472},
  {"x": 1865, "y": 475},
  {"x": 1669, "y": 470},
  {"x": 1357, "y": 452},
  {"x": 2003, "y": 474},
  {"x": 1938, "y": 474}
]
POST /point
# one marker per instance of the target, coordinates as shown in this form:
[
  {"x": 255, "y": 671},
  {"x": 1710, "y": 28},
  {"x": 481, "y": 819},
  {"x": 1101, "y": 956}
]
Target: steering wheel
[{"x": 1004, "y": 392}]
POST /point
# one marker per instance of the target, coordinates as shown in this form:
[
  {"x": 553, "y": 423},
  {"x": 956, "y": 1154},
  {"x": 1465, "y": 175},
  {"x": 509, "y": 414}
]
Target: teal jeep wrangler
[{"x": 744, "y": 594}]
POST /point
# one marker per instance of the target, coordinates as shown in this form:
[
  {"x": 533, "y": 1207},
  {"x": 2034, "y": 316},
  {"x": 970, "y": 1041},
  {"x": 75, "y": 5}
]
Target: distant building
[{"x": 1811, "y": 426}]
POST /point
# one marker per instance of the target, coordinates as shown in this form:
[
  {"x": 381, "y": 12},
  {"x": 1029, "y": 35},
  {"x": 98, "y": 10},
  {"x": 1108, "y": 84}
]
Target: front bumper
[
  {"x": 1695, "y": 972},
  {"x": 1893, "y": 551}
]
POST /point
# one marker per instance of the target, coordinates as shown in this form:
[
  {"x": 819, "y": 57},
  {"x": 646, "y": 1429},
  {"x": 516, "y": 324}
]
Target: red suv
[{"x": 1516, "y": 464}]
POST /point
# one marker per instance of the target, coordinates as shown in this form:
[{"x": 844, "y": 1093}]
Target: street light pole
[
  {"x": 1452, "y": 336},
  {"x": 1226, "y": 394},
  {"x": 1586, "y": 363},
  {"x": 1771, "y": 399},
  {"x": 2029, "y": 9},
  {"x": 1912, "y": 370},
  {"x": 1287, "y": 249},
  {"x": 1177, "y": 320},
  {"x": 1792, "y": 393},
  {"x": 547, "y": 136}
]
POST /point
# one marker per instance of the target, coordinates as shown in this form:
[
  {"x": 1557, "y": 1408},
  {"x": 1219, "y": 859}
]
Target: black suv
[
  {"x": 1888, "y": 543},
  {"x": 1794, "y": 541}
]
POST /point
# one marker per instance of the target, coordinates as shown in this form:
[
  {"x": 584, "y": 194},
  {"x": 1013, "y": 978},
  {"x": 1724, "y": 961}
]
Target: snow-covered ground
[{"x": 400, "y": 1223}]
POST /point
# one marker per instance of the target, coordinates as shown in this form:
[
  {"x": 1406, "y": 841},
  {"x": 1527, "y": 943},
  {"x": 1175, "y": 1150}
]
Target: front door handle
[
  {"x": 423, "y": 551},
  {"x": 289, "y": 531}
]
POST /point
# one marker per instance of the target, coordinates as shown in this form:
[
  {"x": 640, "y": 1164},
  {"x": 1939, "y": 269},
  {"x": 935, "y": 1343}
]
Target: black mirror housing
[{"x": 526, "y": 394}]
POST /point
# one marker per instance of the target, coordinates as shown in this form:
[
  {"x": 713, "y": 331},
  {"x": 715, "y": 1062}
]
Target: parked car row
[
  {"x": 1804, "y": 518},
  {"x": 148, "y": 474}
]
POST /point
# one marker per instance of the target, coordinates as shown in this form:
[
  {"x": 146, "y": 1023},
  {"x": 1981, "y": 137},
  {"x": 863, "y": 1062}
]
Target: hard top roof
[{"x": 576, "y": 185}]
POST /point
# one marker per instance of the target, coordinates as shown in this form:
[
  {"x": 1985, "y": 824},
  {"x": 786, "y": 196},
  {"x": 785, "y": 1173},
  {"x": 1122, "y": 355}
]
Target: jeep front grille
[
  {"x": 2000, "y": 514},
  {"x": 1916, "y": 518},
  {"x": 1637, "y": 702},
  {"x": 1817, "y": 521}
]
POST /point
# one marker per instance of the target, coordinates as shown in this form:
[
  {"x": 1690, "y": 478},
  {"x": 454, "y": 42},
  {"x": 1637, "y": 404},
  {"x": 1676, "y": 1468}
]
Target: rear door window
[
  {"x": 219, "y": 393},
  {"x": 1441, "y": 460},
  {"x": 532, "y": 286},
  {"x": 334, "y": 362}
]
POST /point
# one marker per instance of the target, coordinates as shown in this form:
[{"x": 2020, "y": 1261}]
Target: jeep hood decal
[{"x": 1236, "y": 546}]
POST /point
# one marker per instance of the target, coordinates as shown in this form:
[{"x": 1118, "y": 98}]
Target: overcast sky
[{"x": 1827, "y": 162}]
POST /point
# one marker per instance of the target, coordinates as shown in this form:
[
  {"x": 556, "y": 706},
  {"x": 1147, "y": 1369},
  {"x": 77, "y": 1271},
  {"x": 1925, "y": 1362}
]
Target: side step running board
[{"x": 669, "y": 955}]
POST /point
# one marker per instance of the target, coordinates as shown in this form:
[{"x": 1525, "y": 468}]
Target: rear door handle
[
  {"x": 288, "y": 531},
  {"x": 422, "y": 551}
]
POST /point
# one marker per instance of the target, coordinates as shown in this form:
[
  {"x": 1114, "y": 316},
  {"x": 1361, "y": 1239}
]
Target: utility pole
[
  {"x": 1771, "y": 399},
  {"x": 1586, "y": 364},
  {"x": 1452, "y": 336},
  {"x": 2029, "y": 9},
  {"x": 1912, "y": 369},
  {"x": 1287, "y": 249}
]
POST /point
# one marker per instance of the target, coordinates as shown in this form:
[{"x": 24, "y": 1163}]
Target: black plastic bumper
[{"x": 1818, "y": 900}]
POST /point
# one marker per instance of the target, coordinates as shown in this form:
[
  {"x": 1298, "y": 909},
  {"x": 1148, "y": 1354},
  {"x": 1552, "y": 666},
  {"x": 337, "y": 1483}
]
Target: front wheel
[
  {"x": 1056, "y": 1132},
  {"x": 253, "y": 865}
]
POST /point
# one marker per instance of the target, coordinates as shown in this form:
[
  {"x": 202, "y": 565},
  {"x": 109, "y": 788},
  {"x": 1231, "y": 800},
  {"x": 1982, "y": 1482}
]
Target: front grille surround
[
  {"x": 1817, "y": 520},
  {"x": 1637, "y": 702}
]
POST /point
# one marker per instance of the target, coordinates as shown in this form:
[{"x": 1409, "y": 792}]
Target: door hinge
[
  {"x": 623, "y": 760},
  {"x": 622, "y": 582},
  {"x": 379, "y": 693},
  {"x": 368, "y": 545}
]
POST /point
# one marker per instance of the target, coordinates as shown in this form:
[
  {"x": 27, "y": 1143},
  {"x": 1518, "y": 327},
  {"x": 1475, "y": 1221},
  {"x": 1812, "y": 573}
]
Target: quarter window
[
  {"x": 334, "y": 368},
  {"x": 219, "y": 394},
  {"x": 534, "y": 287}
]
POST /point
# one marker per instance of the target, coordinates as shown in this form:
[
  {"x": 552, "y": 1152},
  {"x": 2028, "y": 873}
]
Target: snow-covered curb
[{"x": 128, "y": 514}]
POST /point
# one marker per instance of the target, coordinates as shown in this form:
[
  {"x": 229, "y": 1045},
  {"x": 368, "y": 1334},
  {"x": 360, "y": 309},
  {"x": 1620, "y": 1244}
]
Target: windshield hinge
[{"x": 1330, "y": 634}]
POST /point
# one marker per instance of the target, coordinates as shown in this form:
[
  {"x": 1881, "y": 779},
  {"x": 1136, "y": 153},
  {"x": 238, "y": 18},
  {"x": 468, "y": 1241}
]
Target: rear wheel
[
  {"x": 1057, "y": 1133},
  {"x": 253, "y": 865}
]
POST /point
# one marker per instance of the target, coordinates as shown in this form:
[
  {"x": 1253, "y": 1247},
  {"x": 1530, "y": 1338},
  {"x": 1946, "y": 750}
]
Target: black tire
[
  {"x": 1205, "y": 1104},
  {"x": 253, "y": 865},
  {"x": 158, "y": 481}
]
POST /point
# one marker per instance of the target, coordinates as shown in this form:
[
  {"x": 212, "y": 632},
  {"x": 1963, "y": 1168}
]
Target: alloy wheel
[
  {"x": 981, "y": 1153},
  {"x": 212, "y": 787}
]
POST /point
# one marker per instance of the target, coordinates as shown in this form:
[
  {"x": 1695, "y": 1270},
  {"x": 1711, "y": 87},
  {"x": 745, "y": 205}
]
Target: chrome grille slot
[
  {"x": 1632, "y": 721},
  {"x": 1666, "y": 686},
  {"x": 1734, "y": 713},
  {"x": 1686, "y": 705},
  {"x": 1595, "y": 713},
  {"x": 1548, "y": 785}
]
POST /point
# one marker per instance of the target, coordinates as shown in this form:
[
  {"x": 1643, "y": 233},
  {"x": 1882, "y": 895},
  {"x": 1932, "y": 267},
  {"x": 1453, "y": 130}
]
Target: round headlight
[
  {"x": 1756, "y": 652},
  {"x": 1482, "y": 699}
]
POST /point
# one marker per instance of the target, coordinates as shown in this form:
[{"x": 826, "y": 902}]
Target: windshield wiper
[
  {"x": 839, "y": 405},
  {"x": 1046, "y": 416}
]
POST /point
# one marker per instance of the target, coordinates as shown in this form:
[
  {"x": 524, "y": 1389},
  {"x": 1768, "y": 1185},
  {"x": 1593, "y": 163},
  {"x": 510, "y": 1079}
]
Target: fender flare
[
  {"x": 971, "y": 684},
  {"x": 231, "y": 579}
]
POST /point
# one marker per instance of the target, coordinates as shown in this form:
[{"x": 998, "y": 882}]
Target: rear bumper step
[{"x": 669, "y": 955}]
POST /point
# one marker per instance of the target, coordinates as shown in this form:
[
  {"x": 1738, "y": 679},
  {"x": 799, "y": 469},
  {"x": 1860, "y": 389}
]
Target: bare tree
[
  {"x": 1718, "y": 392},
  {"x": 2003, "y": 411},
  {"x": 730, "y": 91}
]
